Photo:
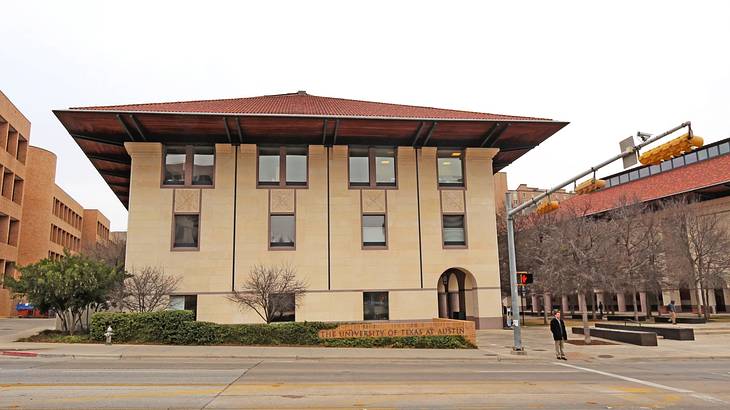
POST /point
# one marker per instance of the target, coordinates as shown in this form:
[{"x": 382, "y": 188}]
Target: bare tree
[
  {"x": 631, "y": 231},
  {"x": 699, "y": 244},
  {"x": 148, "y": 289},
  {"x": 270, "y": 291}
]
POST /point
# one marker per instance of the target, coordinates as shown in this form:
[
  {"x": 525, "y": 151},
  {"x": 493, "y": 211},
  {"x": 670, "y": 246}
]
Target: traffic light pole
[{"x": 516, "y": 326}]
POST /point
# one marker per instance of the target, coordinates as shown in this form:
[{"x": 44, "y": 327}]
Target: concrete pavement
[{"x": 38, "y": 383}]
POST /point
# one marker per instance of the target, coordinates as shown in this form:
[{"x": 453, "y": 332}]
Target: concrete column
[
  {"x": 535, "y": 307},
  {"x": 582, "y": 305},
  {"x": 548, "y": 303},
  {"x": 644, "y": 303},
  {"x": 621, "y": 300},
  {"x": 564, "y": 300},
  {"x": 443, "y": 305},
  {"x": 667, "y": 296}
]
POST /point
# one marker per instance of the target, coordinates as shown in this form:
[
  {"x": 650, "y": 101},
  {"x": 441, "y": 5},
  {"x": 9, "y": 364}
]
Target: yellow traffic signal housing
[
  {"x": 546, "y": 206},
  {"x": 671, "y": 149},
  {"x": 589, "y": 186}
]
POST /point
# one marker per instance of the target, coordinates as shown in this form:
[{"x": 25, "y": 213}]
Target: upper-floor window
[
  {"x": 454, "y": 232},
  {"x": 282, "y": 166},
  {"x": 372, "y": 167},
  {"x": 450, "y": 167},
  {"x": 189, "y": 165}
]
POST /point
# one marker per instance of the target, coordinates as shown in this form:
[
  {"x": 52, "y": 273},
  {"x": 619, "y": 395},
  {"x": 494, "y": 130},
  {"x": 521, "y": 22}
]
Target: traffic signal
[
  {"x": 524, "y": 278},
  {"x": 546, "y": 206},
  {"x": 589, "y": 186},
  {"x": 671, "y": 149}
]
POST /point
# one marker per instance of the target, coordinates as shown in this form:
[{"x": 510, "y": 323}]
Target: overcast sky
[{"x": 610, "y": 68}]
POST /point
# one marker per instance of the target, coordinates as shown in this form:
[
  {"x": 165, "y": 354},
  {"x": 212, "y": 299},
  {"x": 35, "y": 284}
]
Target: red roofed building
[
  {"x": 702, "y": 176},
  {"x": 387, "y": 211}
]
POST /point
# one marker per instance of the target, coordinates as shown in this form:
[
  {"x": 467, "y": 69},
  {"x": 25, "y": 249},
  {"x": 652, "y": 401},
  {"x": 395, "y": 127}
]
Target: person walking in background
[
  {"x": 557, "y": 327},
  {"x": 672, "y": 312},
  {"x": 600, "y": 309}
]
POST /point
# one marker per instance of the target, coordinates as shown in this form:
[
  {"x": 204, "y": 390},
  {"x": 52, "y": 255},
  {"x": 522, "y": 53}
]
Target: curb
[{"x": 18, "y": 353}]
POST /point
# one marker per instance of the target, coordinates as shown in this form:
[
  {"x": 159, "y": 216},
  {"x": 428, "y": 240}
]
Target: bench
[
  {"x": 680, "y": 319},
  {"x": 626, "y": 336},
  {"x": 627, "y": 316},
  {"x": 673, "y": 333},
  {"x": 579, "y": 316}
]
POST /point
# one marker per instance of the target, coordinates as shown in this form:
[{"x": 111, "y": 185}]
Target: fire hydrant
[{"x": 108, "y": 335}]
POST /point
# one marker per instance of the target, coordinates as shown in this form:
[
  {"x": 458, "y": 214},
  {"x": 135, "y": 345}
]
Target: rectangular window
[
  {"x": 372, "y": 167},
  {"x": 189, "y": 165},
  {"x": 690, "y": 158},
  {"x": 8, "y": 182},
  {"x": 359, "y": 167},
  {"x": 666, "y": 165},
  {"x": 384, "y": 166},
  {"x": 655, "y": 169},
  {"x": 269, "y": 171},
  {"x": 375, "y": 306},
  {"x": 643, "y": 172},
  {"x": 186, "y": 231},
  {"x": 677, "y": 162},
  {"x": 282, "y": 166},
  {"x": 713, "y": 151},
  {"x": 453, "y": 230},
  {"x": 633, "y": 175},
  {"x": 203, "y": 165},
  {"x": 373, "y": 231},
  {"x": 702, "y": 154},
  {"x": 174, "y": 166},
  {"x": 724, "y": 148},
  {"x": 282, "y": 231},
  {"x": 296, "y": 165},
  {"x": 450, "y": 168},
  {"x": 184, "y": 302},
  {"x": 283, "y": 306}
]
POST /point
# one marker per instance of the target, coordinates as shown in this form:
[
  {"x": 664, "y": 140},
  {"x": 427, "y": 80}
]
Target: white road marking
[{"x": 700, "y": 396}]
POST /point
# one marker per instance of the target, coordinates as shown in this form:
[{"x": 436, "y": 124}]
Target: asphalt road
[{"x": 221, "y": 383}]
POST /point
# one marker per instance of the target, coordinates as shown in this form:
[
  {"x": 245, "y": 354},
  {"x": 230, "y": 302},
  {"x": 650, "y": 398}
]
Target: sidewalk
[{"x": 494, "y": 345}]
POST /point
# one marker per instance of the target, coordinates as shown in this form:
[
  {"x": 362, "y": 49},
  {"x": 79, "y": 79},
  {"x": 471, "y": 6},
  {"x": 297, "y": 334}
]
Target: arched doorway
[{"x": 455, "y": 298}]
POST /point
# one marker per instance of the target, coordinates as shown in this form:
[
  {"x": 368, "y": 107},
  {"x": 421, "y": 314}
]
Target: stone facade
[{"x": 329, "y": 253}]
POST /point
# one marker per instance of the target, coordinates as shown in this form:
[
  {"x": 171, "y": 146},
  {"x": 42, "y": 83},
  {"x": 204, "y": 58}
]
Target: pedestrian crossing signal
[{"x": 524, "y": 278}]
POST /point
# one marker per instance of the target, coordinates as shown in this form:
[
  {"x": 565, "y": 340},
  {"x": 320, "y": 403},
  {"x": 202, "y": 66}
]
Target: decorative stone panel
[
  {"x": 281, "y": 200},
  {"x": 187, "y": 200},
  {"x": 373, "y": 201},
  {"x": 452, "y": 201}
]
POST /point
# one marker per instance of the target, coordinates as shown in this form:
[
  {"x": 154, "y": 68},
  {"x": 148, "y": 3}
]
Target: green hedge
[{"x": 178, "y": 327}]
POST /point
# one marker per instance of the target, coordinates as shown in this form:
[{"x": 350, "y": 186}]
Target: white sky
[{"x": 610, "y": 68}]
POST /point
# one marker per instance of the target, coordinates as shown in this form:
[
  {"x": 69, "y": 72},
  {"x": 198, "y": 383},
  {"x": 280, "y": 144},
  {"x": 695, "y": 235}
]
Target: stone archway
[{"x": 456, "y": 295}]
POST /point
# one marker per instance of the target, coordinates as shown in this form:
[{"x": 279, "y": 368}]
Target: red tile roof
[
  {"x": 303, "y": 104},
  {"x": 703, "y": 174}
]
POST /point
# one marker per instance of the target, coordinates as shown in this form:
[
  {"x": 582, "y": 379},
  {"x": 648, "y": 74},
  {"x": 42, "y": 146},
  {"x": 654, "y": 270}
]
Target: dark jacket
[{"x": 558, "y": 329}]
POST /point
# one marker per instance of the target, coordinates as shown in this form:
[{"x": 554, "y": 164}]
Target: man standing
[
  {"x": 672, "y": 312},
  {"x": 557, "y": 326}
]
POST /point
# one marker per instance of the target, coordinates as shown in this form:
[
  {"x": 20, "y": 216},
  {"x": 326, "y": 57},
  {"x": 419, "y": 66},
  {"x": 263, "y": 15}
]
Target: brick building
[
  {"x": 386, "y": 211},
  {"x": 37, "y": 218}
]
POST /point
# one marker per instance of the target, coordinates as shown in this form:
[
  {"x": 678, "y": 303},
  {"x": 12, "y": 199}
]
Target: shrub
[
  {"x": 179, "y": 327},
  {"x": 418, "y": 342}
]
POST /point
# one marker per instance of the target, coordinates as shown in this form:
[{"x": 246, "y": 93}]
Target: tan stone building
[
  {"x": 37, "y": 218},
  {"x": 386, "y": 211}
]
